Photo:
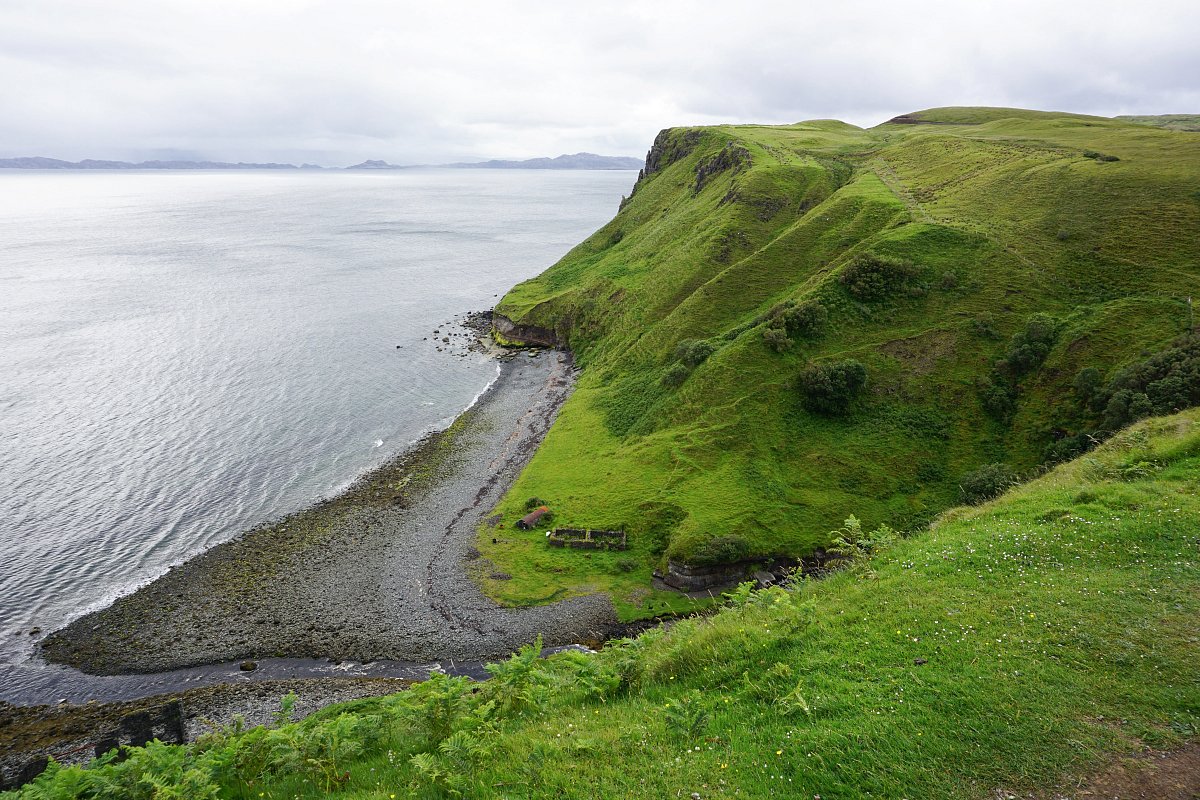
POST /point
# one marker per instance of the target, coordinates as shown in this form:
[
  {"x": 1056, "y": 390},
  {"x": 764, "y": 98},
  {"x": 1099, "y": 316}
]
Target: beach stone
[{"x": 248, "y": 666}]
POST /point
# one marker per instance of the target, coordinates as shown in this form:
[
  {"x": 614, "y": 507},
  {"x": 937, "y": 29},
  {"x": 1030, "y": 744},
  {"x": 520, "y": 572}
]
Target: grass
[
  {"x": 1001, "y": 215},
  {"x": 1015, "y": 646}
]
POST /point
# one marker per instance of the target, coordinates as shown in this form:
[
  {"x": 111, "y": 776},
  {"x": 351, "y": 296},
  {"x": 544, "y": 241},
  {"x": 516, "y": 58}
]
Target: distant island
[
  {"x": 38, "y": 162},
  {"x": 575, "y": 161}
]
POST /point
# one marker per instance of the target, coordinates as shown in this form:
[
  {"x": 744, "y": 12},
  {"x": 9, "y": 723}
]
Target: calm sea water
[{"x": 184, "y": 355}]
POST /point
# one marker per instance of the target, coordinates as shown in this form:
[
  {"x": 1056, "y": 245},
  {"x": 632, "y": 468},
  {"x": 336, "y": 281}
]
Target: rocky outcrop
[
  {"x": 524, "y": 334},
  {"x": 764, "y": 573},
  {"x": 691, "y": 578},
  {"x": 730, "y": 157},
  {"x": 669, "y": 146}
]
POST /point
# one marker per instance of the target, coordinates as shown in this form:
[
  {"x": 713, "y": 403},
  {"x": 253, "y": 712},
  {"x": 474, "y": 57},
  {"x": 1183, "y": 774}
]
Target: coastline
[
  {"x": 68, "y": 733},
  {"x": 376, "y": 572}
]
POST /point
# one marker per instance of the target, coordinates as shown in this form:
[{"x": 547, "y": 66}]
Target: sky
[{"x": 335, "y": 83}]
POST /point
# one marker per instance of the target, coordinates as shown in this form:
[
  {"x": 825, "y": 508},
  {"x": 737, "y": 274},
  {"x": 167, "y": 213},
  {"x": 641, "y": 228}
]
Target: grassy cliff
[
  {"x": 1014, "y": 649},
  {"x": 969, "y": 263}
]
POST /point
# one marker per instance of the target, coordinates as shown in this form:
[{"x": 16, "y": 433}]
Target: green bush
[
  {"x": 998, "y": 397},
  {"x": 831, "y": 388},
  {"x": 777, "y": 339},
  {"x": 534, "y": 502},
  {"x": 806, "y": 320},
  {"x": 675, "y": 375},
  {"x": 990, "y": 480},
  {"x": 1166, "y": 382},
  {"x": 856, "y": 545},
  {"x": 724, "y": 549},
  {"x": 694, "y": 352},
  {"x": 871, "y": 277},
  {"x": 1068, "y": 448},
  {"x": 1029, "y": 348},
  {"x": 1087, "y": 383}
]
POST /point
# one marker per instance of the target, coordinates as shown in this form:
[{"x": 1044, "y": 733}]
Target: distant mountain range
[
  {"x": 576, "y": 161},
  {"x": 38, "y": 162}
]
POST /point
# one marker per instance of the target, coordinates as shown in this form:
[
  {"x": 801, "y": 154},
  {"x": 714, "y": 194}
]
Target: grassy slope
[
  {"x": 1057, "y": 625},
  {"x": 1175, "y": 122},
  {"x": 1003, "y": 216}
]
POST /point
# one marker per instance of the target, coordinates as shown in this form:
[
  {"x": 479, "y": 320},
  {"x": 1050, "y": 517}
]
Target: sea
[{"x": 184, "y": 355}]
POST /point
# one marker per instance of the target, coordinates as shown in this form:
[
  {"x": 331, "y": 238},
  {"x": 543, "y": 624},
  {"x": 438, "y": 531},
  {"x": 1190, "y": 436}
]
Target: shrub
[
  {"x": 949, "y": 281},
  {"x": 990, "y": 480},
  {"x": 1124, "y": 407},
  {"x": 724, "y": 549},
  {"x": 856, "y": 545},
  {"x": 777, "y": 339},
  {"x": 675, "y": 375},
  {"x": 694, "y": 352},
  {"x": 984, "y": 326},
  {"x": 871, "y": 277},
  {"x": 831, "y": 388},
  {"x": 806, "y": 320},
  {"x": 1166, "y": 382},
  {"x": 1029, "y": 348},
  {"x": 998, "y": 397},
  {"x": 534, "y": 502},
  {"x": 1062, "y": 236},
  {"x": 1068, "y": 448},
  {"x": 1086, "y": 384}
]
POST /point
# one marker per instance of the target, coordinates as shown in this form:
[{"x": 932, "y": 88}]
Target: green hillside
[
  {"x": 1013, "y": 650},
  {"x": 1175, "y": 122},
  {"x": 973, "y": 261}
]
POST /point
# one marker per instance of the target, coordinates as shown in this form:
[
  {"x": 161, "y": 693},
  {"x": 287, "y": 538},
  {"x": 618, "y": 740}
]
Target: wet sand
[{"x": 378, "y": 572}]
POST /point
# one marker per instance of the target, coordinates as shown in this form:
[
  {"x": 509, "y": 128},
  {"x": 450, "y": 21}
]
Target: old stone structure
[{"x": 586, "y": 539}]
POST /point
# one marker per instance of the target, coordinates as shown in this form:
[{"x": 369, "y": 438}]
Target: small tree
[
  {"x": 871, "y": 277},
  {"x": 1029, "y": 348},
  {"x": 806, "y": 320},
  {"x": 777, "y": 339},
  {"x": 990, "y": 480},
  {"x": 694, "y": 352},
  {"x": 831, "y": 388},
  {"x": 675, "y": 375}
]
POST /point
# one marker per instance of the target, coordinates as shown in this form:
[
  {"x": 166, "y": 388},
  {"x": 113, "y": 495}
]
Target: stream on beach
[{"x": 187, "y": 355}]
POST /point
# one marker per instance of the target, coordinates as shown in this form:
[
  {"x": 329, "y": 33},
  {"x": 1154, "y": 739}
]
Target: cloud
[{"x": 337, "y": 82}]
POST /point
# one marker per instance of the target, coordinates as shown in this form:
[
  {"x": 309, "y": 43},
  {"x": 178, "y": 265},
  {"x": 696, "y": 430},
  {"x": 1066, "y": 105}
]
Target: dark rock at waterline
[{"x": 248, "y": 666}]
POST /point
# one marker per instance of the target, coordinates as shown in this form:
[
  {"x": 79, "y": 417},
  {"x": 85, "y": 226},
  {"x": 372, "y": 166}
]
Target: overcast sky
[{"x": 338, "y": 82}]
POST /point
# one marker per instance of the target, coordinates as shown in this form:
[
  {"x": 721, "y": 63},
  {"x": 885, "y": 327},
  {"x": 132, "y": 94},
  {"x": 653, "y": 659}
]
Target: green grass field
[
  {"x": 1017, "y": 646},
  {"x": 1000, "y": 214}
]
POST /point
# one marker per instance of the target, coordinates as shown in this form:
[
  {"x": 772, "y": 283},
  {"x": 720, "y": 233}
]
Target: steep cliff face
[{"x": 972, "y": 269}]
